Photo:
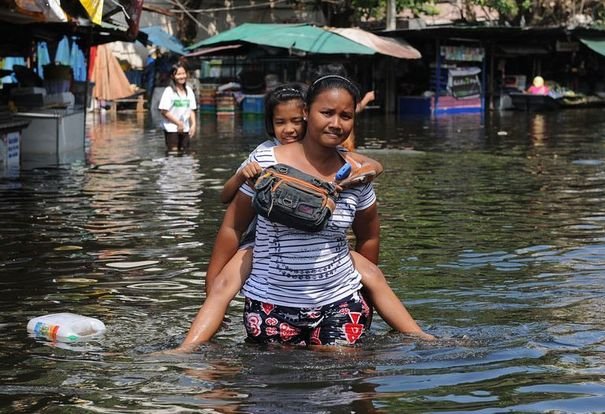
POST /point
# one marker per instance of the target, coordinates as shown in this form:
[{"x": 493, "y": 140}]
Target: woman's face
[
  {"x": 180, "y": 76},
  {"x": 288, "y": 122},
  {"x": 331, "y": 117}
]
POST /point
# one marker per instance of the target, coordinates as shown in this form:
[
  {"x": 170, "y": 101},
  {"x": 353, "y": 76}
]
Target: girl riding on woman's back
[{"x": 228, "y": 269}]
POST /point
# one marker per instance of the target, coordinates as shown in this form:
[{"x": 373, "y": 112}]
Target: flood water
[{"x": 493, "y": 234}]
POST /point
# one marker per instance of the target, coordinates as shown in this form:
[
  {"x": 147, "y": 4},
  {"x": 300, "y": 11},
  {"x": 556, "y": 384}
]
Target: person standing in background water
[
  {"x": 350, "y": 144},
  {"x": 177, "y": 106}
]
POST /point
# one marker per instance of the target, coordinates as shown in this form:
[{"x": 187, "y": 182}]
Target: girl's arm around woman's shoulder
[
  {"x": 367, "y": 162},
  {"x": 363, "y": 169}
]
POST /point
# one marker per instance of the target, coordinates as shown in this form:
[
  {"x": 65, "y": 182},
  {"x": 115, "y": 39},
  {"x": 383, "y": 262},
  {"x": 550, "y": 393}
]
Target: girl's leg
[
  {"x": 172, "y": 140},
  {"x": 240, "y": 263},
  {"x": 183, "y": 141},
  {"x": 384, "y": 299},
  {"x": 224, "y": 288}
]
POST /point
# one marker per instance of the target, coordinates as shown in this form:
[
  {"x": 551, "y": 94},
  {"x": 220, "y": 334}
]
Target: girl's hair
[
  {"x": 332, "y": 81},
  {"x": 173, "y": 70},
  {"x": 281, "y": 94}
]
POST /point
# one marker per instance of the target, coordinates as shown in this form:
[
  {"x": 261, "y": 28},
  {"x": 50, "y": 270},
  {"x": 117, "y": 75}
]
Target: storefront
[
  {"x": 46, "y": 52},
  {"x": 456, "y": 83}
]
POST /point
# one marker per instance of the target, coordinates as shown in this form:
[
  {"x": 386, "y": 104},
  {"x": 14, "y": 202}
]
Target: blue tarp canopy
[{"x": 159, "y": 37}]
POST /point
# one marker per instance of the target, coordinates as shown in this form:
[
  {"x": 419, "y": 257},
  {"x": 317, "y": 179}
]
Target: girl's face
[
  {"x": 180, "y": 76},
  {"x": 288, "y": 121},
  {"x": 331, "y": 117}
]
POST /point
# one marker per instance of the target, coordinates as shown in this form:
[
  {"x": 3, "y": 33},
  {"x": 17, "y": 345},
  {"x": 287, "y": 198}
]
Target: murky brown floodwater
[{"x": 493, "y": 234}]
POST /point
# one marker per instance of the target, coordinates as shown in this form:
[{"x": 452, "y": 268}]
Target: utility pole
[{"x": 391, "y": 15}]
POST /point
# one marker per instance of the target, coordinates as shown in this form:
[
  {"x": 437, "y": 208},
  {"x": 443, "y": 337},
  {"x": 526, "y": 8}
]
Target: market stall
[
  {"x": 455, "y": 84},
  {"x": 47, "y": 56}
]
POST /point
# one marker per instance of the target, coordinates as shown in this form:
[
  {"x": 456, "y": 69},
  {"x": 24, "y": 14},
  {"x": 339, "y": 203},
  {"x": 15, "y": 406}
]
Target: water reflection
[
  {"x": 493, "y": 234},
  {"x": 538, "y": 129}
]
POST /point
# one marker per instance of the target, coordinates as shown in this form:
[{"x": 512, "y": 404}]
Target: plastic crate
[{"x": 253, "y": 104}]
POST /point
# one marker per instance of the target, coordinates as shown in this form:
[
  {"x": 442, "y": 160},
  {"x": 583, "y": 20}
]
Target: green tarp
[
  {"x": 597, "y": 45},
  {"x": 301, "y": 37}
]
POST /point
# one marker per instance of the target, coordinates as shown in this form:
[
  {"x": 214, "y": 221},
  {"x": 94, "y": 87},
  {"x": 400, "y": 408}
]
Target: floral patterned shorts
[{"x": 340, "y": 323}]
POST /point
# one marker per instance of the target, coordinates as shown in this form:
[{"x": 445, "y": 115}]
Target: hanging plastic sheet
[
  {"x": 8, "y": 64},
  {"x": 94, "y": 8},
  {"x": 110, "y": 81},
  {"x": 46, "y": 11},
  {"x": 63, "y": 52},
  {"x": 42, "y": 57},
  {"x": 159, "y": 37},
  {"x": 92, "y": 55},
  {"x": 77, "y": 62}
]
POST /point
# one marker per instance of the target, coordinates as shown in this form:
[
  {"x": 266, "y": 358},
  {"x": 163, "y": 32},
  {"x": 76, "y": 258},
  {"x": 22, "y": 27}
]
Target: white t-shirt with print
[
  {"x": 301, "y": 269},
  {"x": 179, "y": 106}
]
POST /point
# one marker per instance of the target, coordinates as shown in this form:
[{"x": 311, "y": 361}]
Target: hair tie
[
  {"x": 316, "y": 81},
  {"x": 331, "y": 76}
]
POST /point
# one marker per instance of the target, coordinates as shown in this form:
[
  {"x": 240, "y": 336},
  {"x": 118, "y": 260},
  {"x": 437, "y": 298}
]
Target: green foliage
[
  {"x": 508, "y": 8},
  {"x": 377, "y": 8},
  {"x": 370, "y": 8},
  {"x": 535, "y": 12},
  {"x": 417, "y": 7}
]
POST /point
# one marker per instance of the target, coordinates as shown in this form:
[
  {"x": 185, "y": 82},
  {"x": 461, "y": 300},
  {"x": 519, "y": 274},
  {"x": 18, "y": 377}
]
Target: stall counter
[{"x": 54, "y": 136}]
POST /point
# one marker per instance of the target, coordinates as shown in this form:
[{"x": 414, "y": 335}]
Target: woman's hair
[
  {"x": 281, "y": 94},
  {"x": 332, "y": 81},
  {"x": 173, "y": 70}
]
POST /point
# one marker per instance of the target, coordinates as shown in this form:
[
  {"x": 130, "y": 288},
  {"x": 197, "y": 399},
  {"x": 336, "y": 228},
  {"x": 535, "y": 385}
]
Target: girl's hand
[
  {"x": 179, "y": 126},
  {"x": 251, "y": 170},
  {"x": 192, "y": 131}
]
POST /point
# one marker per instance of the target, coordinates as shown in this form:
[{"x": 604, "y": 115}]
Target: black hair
[
  {"x": 281, "y": 94},
  {"x": 173, "y": 70},
  {"x": 332, "y": 81}
]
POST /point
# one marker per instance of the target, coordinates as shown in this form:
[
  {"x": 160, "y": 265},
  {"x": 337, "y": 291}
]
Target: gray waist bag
[{"x": 293, "y": 198}]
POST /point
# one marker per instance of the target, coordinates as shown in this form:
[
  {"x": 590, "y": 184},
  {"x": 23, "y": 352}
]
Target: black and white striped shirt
[{"x": 300, "y": 269}]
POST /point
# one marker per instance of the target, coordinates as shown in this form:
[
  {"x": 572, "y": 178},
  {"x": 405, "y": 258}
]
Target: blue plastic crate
[{"x": 253, "y": 104}]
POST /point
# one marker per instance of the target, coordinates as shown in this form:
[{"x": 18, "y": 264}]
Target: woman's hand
[{"x": 192, "y": 124}]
